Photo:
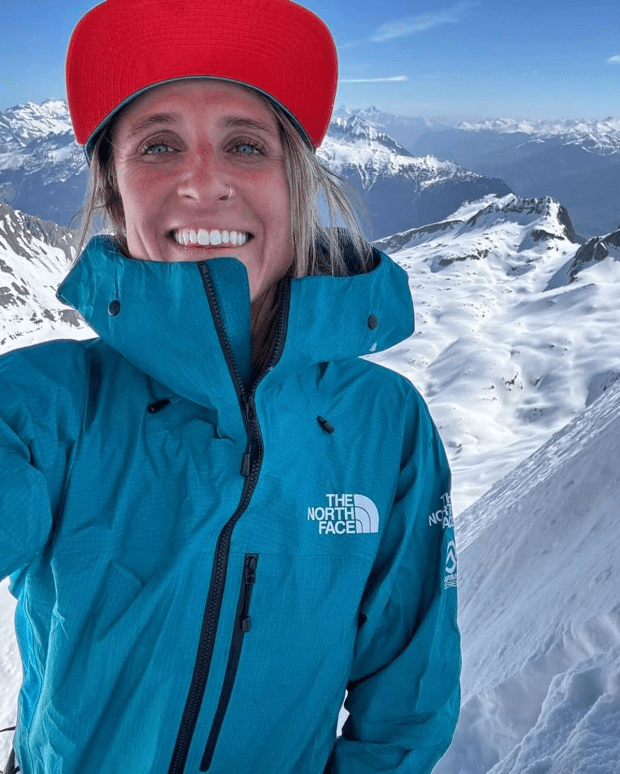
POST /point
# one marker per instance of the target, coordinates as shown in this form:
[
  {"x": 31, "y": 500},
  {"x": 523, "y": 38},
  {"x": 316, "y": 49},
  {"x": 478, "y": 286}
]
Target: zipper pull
[
  {"x": 246, "y": 464},
  {"x": 249, "y": 409},
  {"x": 250, "y": 569},
  {"x": 249, "y": 413},
  {"x": 249, "y": 574}
]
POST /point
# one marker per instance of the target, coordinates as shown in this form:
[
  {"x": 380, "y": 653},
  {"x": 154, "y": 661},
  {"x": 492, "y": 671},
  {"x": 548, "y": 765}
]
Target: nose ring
[{"x": 228, "y": 195}]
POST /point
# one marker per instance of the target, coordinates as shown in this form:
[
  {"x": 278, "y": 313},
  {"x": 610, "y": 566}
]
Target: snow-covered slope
[
  {"x": 408, "y": 126},
  {"x": 504, "y": 356},
  {"x": 34, "y": 256},
  {"x": 539, "y": 570},
  {"x": 399, "y": 190}
]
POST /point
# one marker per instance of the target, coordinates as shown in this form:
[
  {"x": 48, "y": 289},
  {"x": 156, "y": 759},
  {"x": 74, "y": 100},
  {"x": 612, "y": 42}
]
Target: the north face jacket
[{"x": 202, "y": 567}]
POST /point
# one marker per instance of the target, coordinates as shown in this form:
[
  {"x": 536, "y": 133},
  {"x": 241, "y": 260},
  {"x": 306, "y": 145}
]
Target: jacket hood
[{"x": 158, "y": 317}]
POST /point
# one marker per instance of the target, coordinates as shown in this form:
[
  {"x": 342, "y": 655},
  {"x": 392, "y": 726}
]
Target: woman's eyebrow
[
  {"x": 247, "y": 123},
  {"x": 154, "y": 118}
]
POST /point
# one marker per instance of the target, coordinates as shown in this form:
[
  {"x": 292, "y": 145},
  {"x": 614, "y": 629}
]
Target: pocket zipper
[{"x": 242, "y": 626}]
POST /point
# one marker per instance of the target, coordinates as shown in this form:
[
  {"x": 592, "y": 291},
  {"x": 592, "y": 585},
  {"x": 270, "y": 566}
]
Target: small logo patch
[
  {"x": 450, "y": 579},
  {"x": 345, "y": 514}
]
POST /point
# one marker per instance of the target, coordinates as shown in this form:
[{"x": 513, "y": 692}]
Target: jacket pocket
[{"x": 241, "y": 628}]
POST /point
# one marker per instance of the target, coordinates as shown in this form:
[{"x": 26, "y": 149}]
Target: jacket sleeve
[
  {"x": 25, "y": 513},
  {"x": 403, "y": 694}
]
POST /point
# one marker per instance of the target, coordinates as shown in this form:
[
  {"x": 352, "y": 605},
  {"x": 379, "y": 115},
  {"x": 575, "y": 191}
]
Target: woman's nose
[{"x": 203, "y": 177}]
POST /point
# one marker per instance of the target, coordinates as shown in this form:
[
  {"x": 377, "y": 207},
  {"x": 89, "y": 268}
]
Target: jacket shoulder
[
  {"x": 47, "y": 365},
  {"x": 400, "y": 395},
  {"x": 390, "y": 387},
  {"x": 372, "y": 388},
  {"x": 55, "y": 373}
]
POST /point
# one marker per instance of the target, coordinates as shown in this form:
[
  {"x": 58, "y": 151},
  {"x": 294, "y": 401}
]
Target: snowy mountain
[
  {"x": 596, "y": 136},
  {"x": 22, "y": 124},
  {"x": 34, "y": 256},
  {"x": 575, "y": 161},
  {"x": 513, "y": 338},
  {"x": 399, "y": 190},
  {"x": 539, "y": 569},
  {"x": 592, "y": 252},
  {"x": 42, "y": 169},
  {"x": 402, "y": 128}
]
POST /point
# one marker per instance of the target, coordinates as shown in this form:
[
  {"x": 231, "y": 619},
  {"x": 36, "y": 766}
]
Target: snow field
[
  {"x": 502, "y": 361},
  {"x": 539, "y": 610}
]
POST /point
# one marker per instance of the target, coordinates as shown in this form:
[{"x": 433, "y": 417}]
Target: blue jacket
[{"x": 204, "y": 566}]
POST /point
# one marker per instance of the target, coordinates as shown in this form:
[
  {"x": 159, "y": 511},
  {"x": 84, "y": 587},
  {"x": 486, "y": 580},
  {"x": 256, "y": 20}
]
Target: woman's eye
[
  {"x": 248, "y": 148},
  {"x": 156, "y": 148}
]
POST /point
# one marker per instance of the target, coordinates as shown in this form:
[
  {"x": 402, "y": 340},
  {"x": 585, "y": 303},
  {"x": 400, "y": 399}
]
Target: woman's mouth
[{"x": 204, "y": 237}]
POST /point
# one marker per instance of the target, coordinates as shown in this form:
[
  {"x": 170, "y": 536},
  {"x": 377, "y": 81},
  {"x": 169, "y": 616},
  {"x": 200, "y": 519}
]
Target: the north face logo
[{"x": 345, "y": 514}]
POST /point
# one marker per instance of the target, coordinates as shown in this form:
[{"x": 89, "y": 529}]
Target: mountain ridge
[
  {"x": 576, "y": 161},
  {"x": 44, "y": 172}
]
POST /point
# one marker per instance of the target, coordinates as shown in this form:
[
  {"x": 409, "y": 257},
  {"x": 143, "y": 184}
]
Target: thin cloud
[
  {"x": 614, "y": 60},
  {"x": 391, "y": 79},
  {"x": 409, "y": 25}
]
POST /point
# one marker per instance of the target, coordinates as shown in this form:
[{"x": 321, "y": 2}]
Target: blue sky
[{"x": 462, "y": 59}]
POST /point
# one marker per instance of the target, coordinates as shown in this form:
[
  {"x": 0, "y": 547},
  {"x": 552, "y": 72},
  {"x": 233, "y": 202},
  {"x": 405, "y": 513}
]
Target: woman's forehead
[{"x": 170, "y": 103}]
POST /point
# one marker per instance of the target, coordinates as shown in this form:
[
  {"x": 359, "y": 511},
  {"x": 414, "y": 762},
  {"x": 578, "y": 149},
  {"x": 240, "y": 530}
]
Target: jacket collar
[{"x": 158, "y": 317}]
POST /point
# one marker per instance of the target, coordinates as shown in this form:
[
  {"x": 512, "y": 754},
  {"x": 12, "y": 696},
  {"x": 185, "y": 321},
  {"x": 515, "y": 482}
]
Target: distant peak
[{"x": 355, "y": 128}]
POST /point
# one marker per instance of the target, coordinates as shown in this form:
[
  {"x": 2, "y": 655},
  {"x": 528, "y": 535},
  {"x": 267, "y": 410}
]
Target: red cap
[{"x": 122, "y": 47}]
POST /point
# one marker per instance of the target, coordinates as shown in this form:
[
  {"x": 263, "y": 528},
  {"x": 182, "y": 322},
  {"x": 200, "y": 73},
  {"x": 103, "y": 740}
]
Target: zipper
[
  {"x": 242, "y": 627},
  {"x": 250, "y": 469}
]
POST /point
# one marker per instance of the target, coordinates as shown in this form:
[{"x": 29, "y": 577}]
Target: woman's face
[{"x": 201, "y": 174}]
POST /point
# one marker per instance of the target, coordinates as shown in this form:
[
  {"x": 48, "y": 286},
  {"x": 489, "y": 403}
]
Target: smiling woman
[
  {"x": 197, "y": 158},
  {"x": 272, "y": 142},
  {"x": 216, "y": 514}
]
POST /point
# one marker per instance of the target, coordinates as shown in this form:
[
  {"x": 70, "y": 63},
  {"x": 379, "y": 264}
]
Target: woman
[{"x": 217, "y": 518}]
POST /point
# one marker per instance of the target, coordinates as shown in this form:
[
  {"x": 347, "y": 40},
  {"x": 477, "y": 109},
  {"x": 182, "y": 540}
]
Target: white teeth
[{"x": 190, "y": 236}]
